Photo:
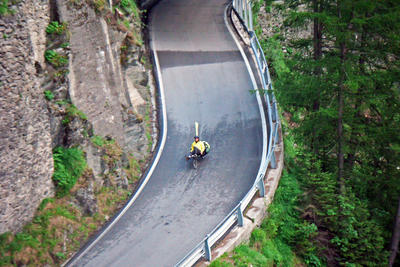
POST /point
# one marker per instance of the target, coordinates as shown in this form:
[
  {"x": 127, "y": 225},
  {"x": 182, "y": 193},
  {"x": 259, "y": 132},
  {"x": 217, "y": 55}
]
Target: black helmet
[{"x": 196, "y": 137}]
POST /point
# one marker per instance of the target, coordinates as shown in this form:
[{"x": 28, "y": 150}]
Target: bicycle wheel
[{"x": 195, "y": 163}]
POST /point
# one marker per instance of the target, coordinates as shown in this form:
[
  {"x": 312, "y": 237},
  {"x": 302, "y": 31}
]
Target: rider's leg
[{"x": 196, "y": 151}]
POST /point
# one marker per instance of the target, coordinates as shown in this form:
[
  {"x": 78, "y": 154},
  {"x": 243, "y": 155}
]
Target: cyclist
[{"x": 200, "y": 148}]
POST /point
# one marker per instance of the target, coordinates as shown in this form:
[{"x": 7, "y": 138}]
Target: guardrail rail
[{"x": 243, "y": 10}]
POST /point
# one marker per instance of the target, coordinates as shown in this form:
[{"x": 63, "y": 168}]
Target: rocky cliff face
[
  {"x": 26, "y": 163},
  {"x": 117, "y": 100}
]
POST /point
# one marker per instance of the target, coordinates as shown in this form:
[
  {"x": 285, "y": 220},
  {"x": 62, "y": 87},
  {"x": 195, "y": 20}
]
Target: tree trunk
[
  {"x": 317, "y": 41},
  {"x": 395, "y": 237},
  {"x": 354, "y": 143},
  {"x": 341, "y": 88}
]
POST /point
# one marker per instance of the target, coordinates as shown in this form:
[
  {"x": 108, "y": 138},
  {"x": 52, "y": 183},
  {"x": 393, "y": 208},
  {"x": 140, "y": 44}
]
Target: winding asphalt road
[{"x": 206, "y": 80}]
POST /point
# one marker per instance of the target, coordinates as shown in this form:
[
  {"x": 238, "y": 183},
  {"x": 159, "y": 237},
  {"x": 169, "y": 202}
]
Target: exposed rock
[
  {"x": 118, "y": 101},
  {"x": 94, "y": 160},
  {"x": 96, "y": 81},
  {"x": 87, "y": 200},
  {"x": 25, "y": 142},
  {"x": 115, "y": 99},
  {"x": 271, "y": 21}
]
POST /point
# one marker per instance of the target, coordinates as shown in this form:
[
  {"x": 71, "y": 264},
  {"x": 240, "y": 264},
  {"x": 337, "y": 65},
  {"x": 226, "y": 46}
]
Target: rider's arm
[{"x": 192, "y": 148}]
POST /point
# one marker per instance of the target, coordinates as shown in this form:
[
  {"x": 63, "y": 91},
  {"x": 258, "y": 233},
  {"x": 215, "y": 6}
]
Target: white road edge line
[
  {"x": 153, "y": 166},
  {"x": 253, "y": 80}
]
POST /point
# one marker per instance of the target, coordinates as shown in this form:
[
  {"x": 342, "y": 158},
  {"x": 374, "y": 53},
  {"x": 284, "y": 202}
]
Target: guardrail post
[
  {"x": 240, "y": 215},
  {"x": 240, "y": 9},
  {"x": 277, "y": 139},
  {"x": 246, "y": 18},
  {"x": 273, "y": 160},
  {"x": 250, "y": 17},
  {"x": 261, "y": 187},
  {"x": 274, "y": 111},
  {"x": 207, "y": 249}
]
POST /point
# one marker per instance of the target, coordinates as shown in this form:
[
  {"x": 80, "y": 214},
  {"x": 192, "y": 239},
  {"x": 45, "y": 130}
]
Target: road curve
[{"x": 205, "y": 79}]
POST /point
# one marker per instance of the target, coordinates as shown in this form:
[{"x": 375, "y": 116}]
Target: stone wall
[{"x": 26, "y": 163}]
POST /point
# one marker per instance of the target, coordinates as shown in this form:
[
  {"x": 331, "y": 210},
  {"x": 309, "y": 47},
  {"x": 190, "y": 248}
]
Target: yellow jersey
[{"x": 199, "y": 145}]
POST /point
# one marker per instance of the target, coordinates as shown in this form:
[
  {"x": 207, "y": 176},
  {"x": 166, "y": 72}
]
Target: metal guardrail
[{"x": 203, "y": 249}]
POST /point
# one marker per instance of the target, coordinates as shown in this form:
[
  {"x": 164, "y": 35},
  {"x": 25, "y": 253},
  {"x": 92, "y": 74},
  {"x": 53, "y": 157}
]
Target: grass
[
  {"x": 133, "y": 170},
  {"x": 99, "y": 5},
  {"x": 59, "y": 228},
  {"x": 98, "y": 140},
  {"x": 40, "y": 240},
  {"x": 130, "y": 7}
]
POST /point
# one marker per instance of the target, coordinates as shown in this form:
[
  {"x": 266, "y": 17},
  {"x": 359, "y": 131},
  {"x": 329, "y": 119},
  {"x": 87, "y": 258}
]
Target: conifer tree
[{"x": 342, "y": 88}]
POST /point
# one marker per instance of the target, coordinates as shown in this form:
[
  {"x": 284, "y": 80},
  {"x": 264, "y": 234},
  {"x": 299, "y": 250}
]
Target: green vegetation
[
  {"x": 4, "y": 8},
  {"x": 59, "y": 227},
  {"x": 101, "y": 142},
  {"x": 99, "y": 5},
  {"x": 69, "y": 164},
  {"x": 63, "y": 102},
  {"x": 283, "y": 233},
  {"x": 130, "y": 7},
  {"x": 55, "y": 58},
  {"x": 133, "y": 170},
  {"x": 338, "y": 86},
  {"x": 72, "y": 112},
  {"x": 56, "y": 28},
  {"x": 64, "y": 45},
  {"x": 57, "y": 230},
  {"x": 98, "y": 140},
  {"x": 48, "y": 95},
  {"x": 56, "y": 53},
  {"x": 40, "y": 239}
]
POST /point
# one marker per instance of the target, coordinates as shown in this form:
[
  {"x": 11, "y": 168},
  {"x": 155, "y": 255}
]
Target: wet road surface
[{"x": 205, "y": 79}]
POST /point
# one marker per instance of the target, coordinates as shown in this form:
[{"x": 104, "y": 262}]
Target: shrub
[
  {"x": 69, "y": 164},
  {"x": 56, "y": 28},
  {"x": 65, "y": 45},
  {"x": 55, "y": 59}
]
